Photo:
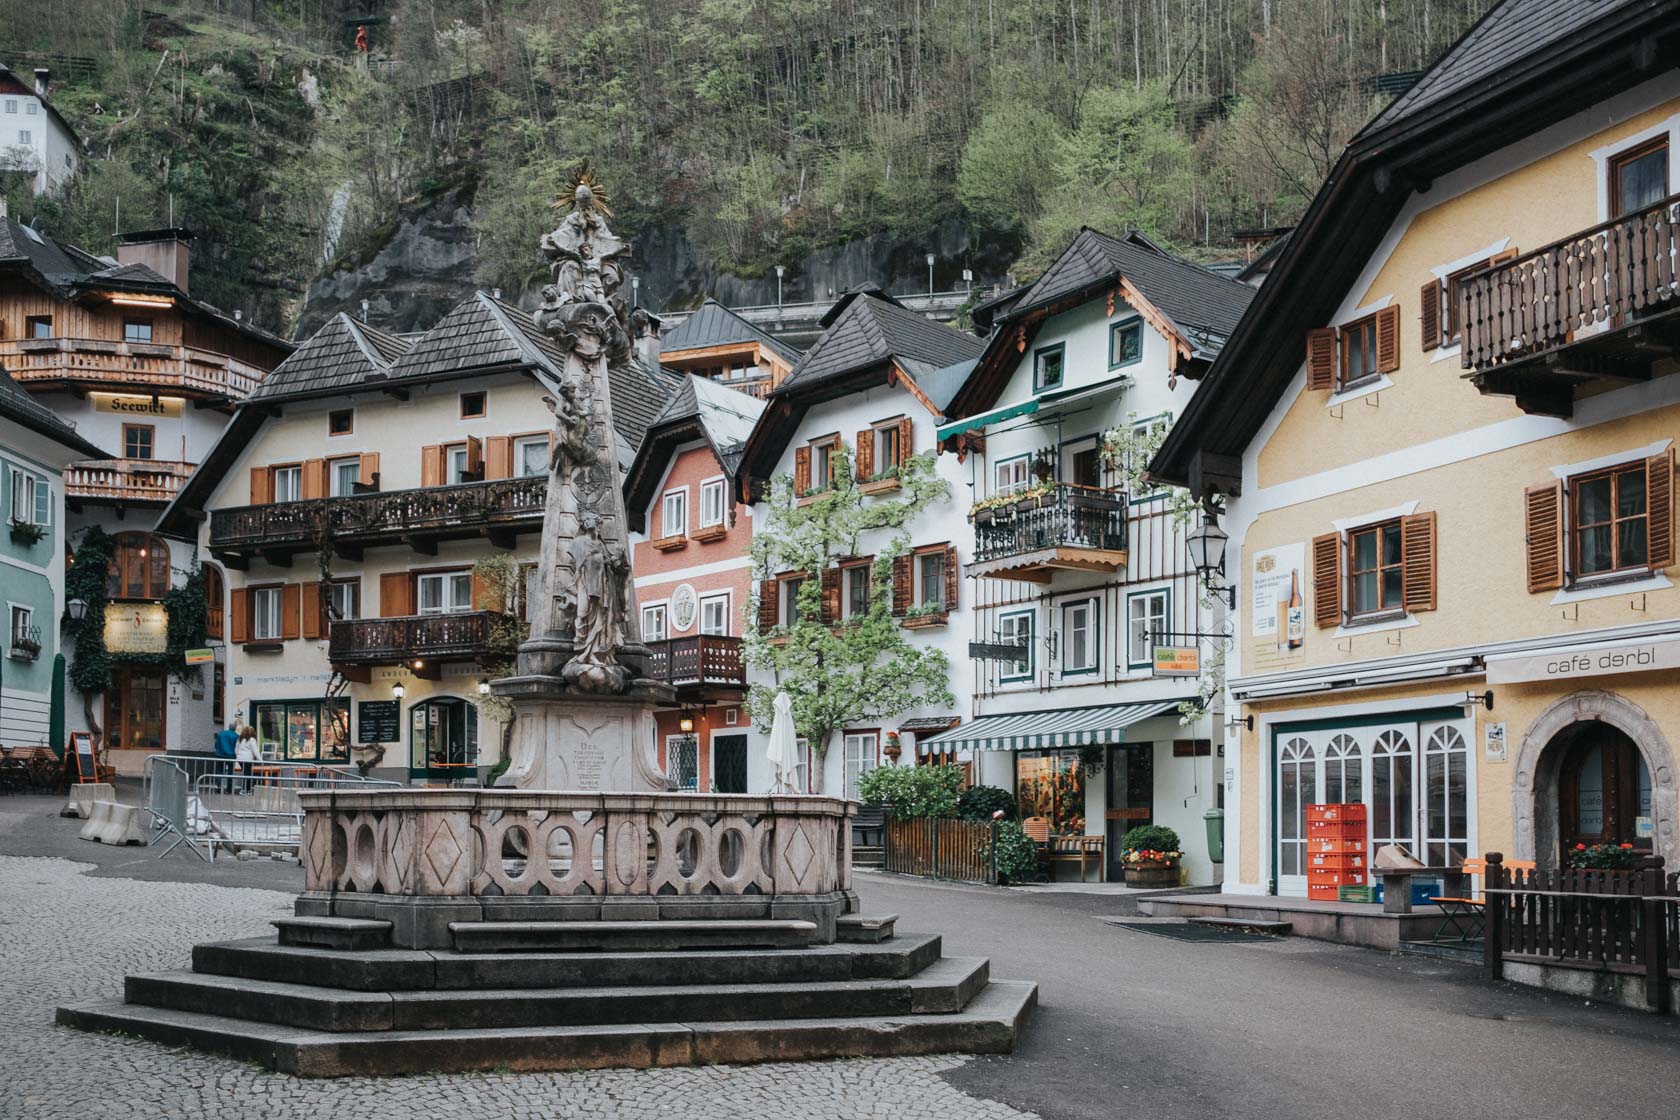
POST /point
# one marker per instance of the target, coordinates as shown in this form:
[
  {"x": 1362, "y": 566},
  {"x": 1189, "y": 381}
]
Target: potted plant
[
  {"x": 1150, "y": 854},
  {"x": 893, "y": 748},
  {"x": 927, "y": 614},
  {"x": 25, "y": 648},
  {"x": 27, "y": 533},
  {"x": 1604, "y": 857}
]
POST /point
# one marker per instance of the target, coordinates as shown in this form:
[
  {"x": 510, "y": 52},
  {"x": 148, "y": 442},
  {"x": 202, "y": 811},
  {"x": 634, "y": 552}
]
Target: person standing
[
  {"x": 245, "y": 756},
  {"x": 227, "y": 744}
]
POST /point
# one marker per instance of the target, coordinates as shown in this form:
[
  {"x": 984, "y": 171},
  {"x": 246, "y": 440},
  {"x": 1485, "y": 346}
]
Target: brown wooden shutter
[
  {"x": 262, "y": 485},
  {"x": 394, "y": 593},
  {"x": 1327, "y": 579},
  {"x": 312, "y": 627},
  {"x": 239, "y": 626},
  {"x": 831, "y": 594},
  {"x": 951, "y": 576},
  {"x": 1543, "y": 534},
  {"x": 291, "y": 597},
  {"x": 906, "y": 440},
  {"x": 1388, "y": 339},
  {"x": 1429, "y": 314},
  {"x": 498, "y": 457},
  {"x": 475, "y": 456},
  {"x": 1659, "y": 499},
  {"x": 1417, "y": 560},
  {"x": 314, "y": 478},
  {"x": 801, "y": 471},
  {"x": 769, "y": 610},
  {"x": 370, "y": 469},
  {"x": 1504, "y": 256},
  {"x": 431, "y": 465},
  {"x": 866, "y": 454},
  {"x": 1321, "y": 358},
  {"x": 482, "y": 597},
  {"x": 901, "y": 584}
]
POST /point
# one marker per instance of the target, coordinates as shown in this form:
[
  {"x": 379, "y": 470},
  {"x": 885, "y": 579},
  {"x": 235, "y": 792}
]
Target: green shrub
[
  {"x": 913, "y": 791},
  {"x": 1016, "y": 856},
  {"x": 1151, "y": 837},
  {"x": 978, "y": 803}
]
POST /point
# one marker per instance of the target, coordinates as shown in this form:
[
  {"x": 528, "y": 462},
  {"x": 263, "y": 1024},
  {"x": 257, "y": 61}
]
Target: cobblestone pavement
[{"x": 66, "y": 936}]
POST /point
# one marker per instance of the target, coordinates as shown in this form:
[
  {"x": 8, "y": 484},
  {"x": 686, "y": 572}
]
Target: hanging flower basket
[{"x": 27, "y": 533}]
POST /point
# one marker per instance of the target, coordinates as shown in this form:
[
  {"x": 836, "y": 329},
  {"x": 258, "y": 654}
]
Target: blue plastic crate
[{"x": 1422, "y": 889}]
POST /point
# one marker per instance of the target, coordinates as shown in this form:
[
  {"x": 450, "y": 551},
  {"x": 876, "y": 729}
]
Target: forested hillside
[{"x": 761, "y": 129}]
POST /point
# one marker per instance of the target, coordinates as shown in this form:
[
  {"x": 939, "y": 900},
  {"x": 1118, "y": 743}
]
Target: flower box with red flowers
[{"x": 1605, "y": 857}]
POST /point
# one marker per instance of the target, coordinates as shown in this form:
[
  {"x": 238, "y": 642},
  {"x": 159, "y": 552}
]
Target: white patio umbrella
[{"x": 784, "y": 748}]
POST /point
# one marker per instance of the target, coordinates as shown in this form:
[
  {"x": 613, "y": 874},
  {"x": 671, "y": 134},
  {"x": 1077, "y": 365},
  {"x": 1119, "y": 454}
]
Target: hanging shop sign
[
  {"x": 1593, "y": 661},
  {"x": 200, "y": 656},
  {"x": 125, "y": 405},
  {"x": 1178, "y": 661},
  {"x": 136, "y": 628}
]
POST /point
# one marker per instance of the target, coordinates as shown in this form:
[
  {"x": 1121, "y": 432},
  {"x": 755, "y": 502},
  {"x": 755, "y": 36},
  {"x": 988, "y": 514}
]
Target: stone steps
[
  {"x": 942, "y": 988},
  {"x": 521, "y": 937},
  {"x": 989, "y": 1023},
  {"x": 351, "y": 934},
  {"x": 863, "y": 928},
  {"x": 260, "y": 958}
]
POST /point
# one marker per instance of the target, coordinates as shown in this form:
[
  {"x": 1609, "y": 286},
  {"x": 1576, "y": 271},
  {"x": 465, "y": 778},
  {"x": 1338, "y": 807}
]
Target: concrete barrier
[
  {"x": 83, "y": 795},
  {"x": 112, "y": 822}
]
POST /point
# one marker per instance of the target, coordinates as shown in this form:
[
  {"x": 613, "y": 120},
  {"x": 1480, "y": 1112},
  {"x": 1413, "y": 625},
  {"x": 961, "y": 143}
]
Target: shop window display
[{"x": 1051, "y": 784}]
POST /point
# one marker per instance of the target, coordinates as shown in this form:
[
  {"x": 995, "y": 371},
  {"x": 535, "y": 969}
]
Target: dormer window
[{"x": 1047, "y": 367}]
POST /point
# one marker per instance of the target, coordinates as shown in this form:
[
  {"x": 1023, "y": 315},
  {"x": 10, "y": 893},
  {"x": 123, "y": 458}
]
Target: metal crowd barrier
[{"x": 208, "y": 802}]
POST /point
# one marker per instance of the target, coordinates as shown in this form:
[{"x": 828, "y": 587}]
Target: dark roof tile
[
  {"x": 713, "y": 324},
  {"x": 866, "y": 330}
]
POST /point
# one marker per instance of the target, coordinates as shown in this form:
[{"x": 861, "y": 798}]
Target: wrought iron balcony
[
  {"x": 125, "y": 480},
  {"x": 1081, "y": 528},
  {"x": 1599, "y": 305},
  {"x": 701, "y": 662},
  {"x": 428, "y": 638},
  {"x": 133, "y": 366},
  {"x": 499, "y": 509}
]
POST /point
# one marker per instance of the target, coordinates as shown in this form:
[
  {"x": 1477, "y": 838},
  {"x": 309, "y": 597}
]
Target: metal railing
[
  {"x": 372, "y": 641},
  {"x": 145, "y": 365},
  {"x": 1069, "y": 516},
  {"x": 391, "y": 514}
]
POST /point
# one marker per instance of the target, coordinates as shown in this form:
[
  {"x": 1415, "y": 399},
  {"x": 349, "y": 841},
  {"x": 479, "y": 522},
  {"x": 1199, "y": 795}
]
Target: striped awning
[
  {"x": 996, "y": 415},
  {"x": 1063, "y": 727}
]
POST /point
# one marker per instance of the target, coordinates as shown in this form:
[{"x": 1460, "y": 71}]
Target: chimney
[
  {"x": 165, "y": 251},
  {"x": 42, "y": 77},
  {"x": 646, "y": 327}
]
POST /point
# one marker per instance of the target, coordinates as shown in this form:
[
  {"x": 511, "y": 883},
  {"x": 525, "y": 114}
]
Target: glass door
[
  {"x": 729, "y": 763},
  {"x": 1297, "y": 786},
  {"x": 1446, "y": 795},
  {"x": 1131, "y": 797}
]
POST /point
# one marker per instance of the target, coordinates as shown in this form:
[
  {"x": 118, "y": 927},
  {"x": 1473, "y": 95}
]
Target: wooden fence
[
  {"x": 1625, "y": 922},
  {"x": 940, "y": 849}
]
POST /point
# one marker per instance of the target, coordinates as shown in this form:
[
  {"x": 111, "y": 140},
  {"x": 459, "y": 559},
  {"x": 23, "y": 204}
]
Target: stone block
[
  {"x": 263, "y": 1001},
  {"x": 259, "y": 958},
  {"x": 83, "y": 795},
  {"x": 334, "y": 932},
  {"x": 112, "y": 822}
]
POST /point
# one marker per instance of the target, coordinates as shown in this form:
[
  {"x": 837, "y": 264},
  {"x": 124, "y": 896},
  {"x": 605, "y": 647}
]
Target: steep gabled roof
[
  {"x": 868, "y": 329},
  {"x": 19, "y": 244},
  {"x": 18, "y": 406},
  {"x": 713, "y": 324},
  {"x": 700, "y": 409},
  {"x": 342, "y": 356}
]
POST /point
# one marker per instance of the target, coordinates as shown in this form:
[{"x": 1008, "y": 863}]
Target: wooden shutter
[
  {"x": 1327, "y": 579},
  {"x": 475, "y": 456},
  {"x": 314, "y": 478},
  {"x": 431, "y": 465},
  {"x": 483, "y": 599},
  {"x": 769, "y": 610},
  {"x": 312, "y": 626},
  {"x": 831, "y": 594},
  {"x": 866, "y": 454},
  {"x": 370, "y": 469},
  {"x": 901, "y": 584},
  {"x": 1429, "y": 314},
  {"x": 906, "y": 440},
  {"x": 801, "y": 471},
  {"x": 394, "y": 593},
  {"x": 1321, "y": 358},
  {"x": 951, "y": 577},
  {"x": 1388, "y": 339},
  {"x": 1417, "y": 562},
  {"x": 1659, "y": 499},
  {"x": 1543, "y": 536},
  {"x": 239, "y": 626},
  {"x": 262, "y": 485},
  {"x": 498, "y": 457},
  {"x": 1504, "y": 256},
  {"x": 291, "y": 597}
]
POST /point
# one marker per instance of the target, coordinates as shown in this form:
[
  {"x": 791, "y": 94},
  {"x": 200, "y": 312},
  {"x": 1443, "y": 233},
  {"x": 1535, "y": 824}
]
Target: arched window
[
  {"x": 214, "y": 596},
  {"x": 1297, "y": 788},
  {"x": 1343, "y": 782},
  {"x": 139, "y": 567}
]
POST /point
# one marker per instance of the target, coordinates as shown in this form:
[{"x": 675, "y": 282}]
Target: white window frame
[
  {"x": 342, "y": 589},
  {"x": 447, "y": 583},
  {"x": 655, "y": 622},
  {"x": 1012, "y": 475},
  {"x": 266, "y": 604},
  {"x": 1010, "y": 632},
  {"x": 21, "y": 619},
  {"x": 1093, "y": 640},
  {"x": 289, "y": 479},
  {"x": 860, "y": 753},
  {"x": 712, "y": 492},
  {"x": 1134, "y": 635},
  {"x": 335, "y": 481},
  {"x": 31, "y": 498},
  {"x": 674, "y": 525},
  {"x": 455, "y": 464},
  {"x": 11, "y": 105},
  {"x": 524, "y": 444},
  {"x": 720, "y": 602},
  {"x": 25, "y": 136}
]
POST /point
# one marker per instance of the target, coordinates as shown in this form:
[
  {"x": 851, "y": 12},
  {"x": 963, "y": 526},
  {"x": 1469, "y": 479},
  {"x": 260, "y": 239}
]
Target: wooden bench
[
  {"x": 1066, "y": 849},
  {"x": 1467, "y": 913}
]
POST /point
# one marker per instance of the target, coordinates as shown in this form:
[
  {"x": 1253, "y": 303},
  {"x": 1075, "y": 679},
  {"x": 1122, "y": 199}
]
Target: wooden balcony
[
  {"x": 125, "y": 481},
  {"x": 707, "y": 666},
  {"x": 1073, "y": 528},
  {"x": 1601, "y": 306},
  {"x": 498, "y": 510},
  {"x": 97, "y": 363},
  {"x": 423, "y": 642}
]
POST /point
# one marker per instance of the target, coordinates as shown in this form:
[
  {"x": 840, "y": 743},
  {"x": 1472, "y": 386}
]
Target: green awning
[{"x": 1008, "y": 412}]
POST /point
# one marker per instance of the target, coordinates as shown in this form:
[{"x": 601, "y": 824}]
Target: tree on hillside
[
  {"x": 840, "y": 672},
  {"x": 1002, "y": 177}
]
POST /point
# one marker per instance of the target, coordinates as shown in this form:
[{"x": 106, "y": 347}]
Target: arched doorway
[{"x": 1603, "y": 788}]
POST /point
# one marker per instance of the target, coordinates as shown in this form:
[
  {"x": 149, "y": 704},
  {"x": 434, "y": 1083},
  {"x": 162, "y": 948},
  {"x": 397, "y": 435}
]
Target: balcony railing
[
  {"x": 437, "y": 511},
  {"x": 713, "y": 659},
  {"x": 126, "y": 480},
  {"x": 386, "y": 641},
  {"x": 136, "y": 365},
  {"x": 1069, "y": 517},
  {"x": 1612, "y": 273}
]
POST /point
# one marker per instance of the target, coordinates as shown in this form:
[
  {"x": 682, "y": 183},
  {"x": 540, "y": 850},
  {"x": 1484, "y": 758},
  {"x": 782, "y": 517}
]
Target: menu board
[{"x": 378, "y": 721}]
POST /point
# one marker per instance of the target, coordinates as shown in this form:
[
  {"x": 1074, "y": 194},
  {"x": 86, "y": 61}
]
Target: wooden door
[{"x": 1604, "y": 790}]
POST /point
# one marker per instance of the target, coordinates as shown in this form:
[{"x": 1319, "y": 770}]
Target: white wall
[
  {"x": 186, "y": 437},
  {"x": 53, "y": 148}
]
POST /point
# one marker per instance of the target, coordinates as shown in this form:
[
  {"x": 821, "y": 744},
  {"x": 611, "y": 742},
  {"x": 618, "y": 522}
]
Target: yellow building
[{"x": 1442, "y": 444}]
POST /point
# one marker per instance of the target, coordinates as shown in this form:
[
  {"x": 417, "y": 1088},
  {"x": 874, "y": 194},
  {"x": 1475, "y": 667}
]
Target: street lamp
[
  {"x": 635, "y": 291},
  {"x": 398, "y": 691},
  {"x": 77, "y": 610},
  {"x": 968, "y": 280},
  {"x": 781, "y": 270},
  {"x": 1206, "y": 544},
  {"x": 686, "y": 725},
  {"x": 930, "y": 275},
  {"x": 484, "y": 686}
]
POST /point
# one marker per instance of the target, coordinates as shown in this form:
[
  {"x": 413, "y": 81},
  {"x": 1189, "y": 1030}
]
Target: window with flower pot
[
  {"x": 711, "y": 502},
  {"x": 31, "y": 499},
  {"x": 1012, "y": 475},
  {"x": 930, "y": 579},
  {"x": 22, "y": 630},
  {"x": 854, "y": 589},
  {"x": 673, "y": 513}
]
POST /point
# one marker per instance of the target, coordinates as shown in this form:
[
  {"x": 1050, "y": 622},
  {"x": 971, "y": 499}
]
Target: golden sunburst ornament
[{"x": 585, "y": 193}]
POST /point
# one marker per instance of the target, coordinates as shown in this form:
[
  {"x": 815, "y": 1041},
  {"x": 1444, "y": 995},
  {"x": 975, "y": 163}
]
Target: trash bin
[{"x": 1215, "y": 820}]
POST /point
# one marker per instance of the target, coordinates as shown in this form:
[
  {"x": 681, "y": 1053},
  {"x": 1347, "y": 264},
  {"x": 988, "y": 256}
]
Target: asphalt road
[{"x": 1135, "y": 1024}]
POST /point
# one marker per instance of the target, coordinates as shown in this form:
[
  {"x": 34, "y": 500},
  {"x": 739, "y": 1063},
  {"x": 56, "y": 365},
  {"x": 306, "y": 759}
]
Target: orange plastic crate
[
  {"x": 1335, "y": 830},
  {"x": 1335, "y": 862},
  {"x": 1333, "y": 878},
  {"x": 1327, "y": 894},
  {"x": 1336, "y": 845},
  {"x": 1351, "y": 811}
]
